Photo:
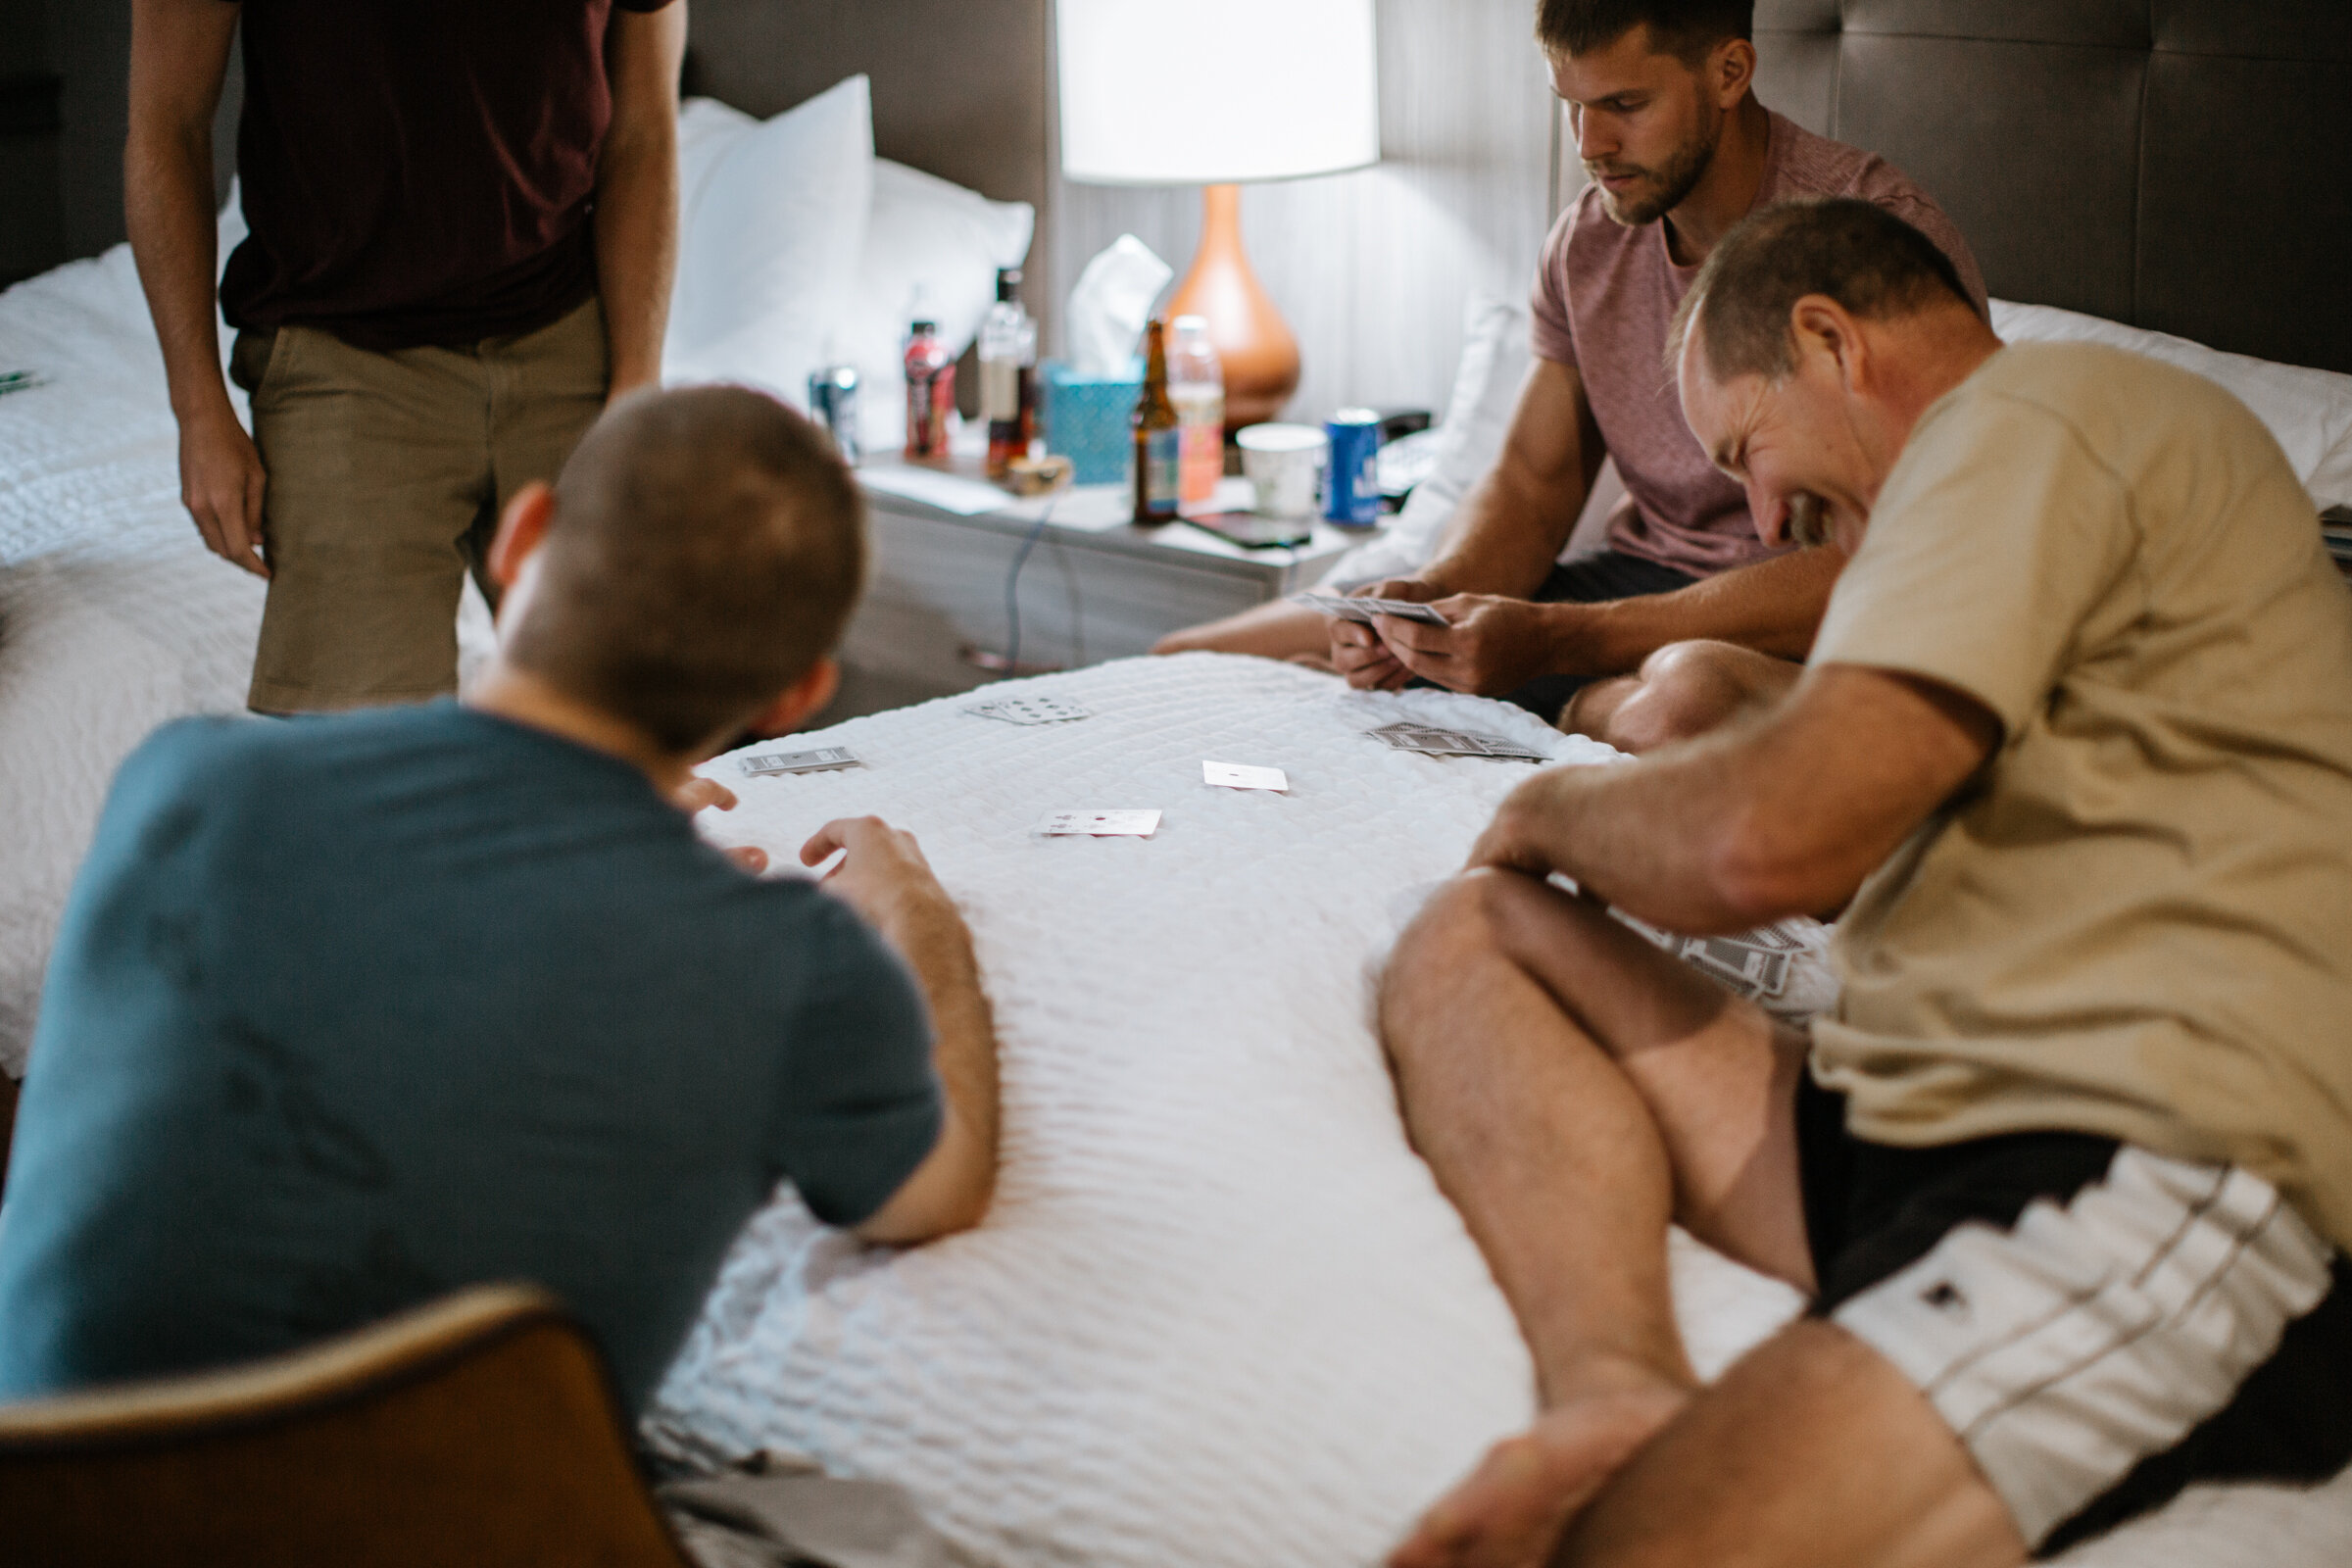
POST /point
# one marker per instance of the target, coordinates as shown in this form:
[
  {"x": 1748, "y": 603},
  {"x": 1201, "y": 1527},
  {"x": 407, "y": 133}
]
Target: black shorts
[
  {"x": 1590, "y": 579},
  {"x": 2102, "y": 1326}
]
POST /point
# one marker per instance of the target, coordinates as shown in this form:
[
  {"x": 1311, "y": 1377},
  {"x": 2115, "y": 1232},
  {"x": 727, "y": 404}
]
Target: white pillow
[
  {"x": 706, "y": 128},
  {"x": 930, "y": 239},
  {"x": 2309, "y": 412},
  {"x": 769, "y": 242},
  {"x": 1486, "y": 389}
]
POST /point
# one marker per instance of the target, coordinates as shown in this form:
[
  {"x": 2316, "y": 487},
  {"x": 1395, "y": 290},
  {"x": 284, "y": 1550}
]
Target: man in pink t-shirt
[{"x": 1697, "y": 615}]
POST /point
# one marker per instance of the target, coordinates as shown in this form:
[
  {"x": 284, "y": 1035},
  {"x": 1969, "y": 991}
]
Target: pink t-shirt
[{"x": 1604, "y": 297}]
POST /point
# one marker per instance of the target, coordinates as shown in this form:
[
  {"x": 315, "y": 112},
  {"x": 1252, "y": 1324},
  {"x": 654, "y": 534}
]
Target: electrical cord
[{"x": 1012, "y": 595}]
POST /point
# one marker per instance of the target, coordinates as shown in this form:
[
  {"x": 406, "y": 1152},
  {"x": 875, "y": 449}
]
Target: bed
[{"x": 1221, "y": 1314}]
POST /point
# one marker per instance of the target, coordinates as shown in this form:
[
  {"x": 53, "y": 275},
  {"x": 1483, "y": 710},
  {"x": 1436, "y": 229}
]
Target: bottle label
[
  {"x": 1000, "y": 389},
  {"x": 1156, "y": 476}
]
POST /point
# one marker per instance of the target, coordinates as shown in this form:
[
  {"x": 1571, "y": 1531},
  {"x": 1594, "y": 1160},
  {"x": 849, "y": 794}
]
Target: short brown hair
[
  {"x": 1854, "y": 251},
  {"x": 706, "y": 551},
  {"x": 1683, "y": 28}
]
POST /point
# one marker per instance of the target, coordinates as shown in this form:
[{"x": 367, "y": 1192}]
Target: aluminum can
[
  {"x": 1351, "y": 477},
  {"x": 833, "y": 404}
]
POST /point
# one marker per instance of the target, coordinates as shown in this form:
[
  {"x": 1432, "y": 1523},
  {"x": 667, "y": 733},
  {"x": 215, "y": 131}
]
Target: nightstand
[{"x": 1092, "y": 587}]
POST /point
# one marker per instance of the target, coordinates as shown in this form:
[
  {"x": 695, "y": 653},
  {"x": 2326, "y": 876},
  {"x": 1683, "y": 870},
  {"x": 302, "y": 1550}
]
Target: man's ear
[
  {"x": 522, "y": 529},
  {"x": 805, "y": 696},
  {"x": 1730, "y": 71},
  {"x": 1820, "y": 325}
]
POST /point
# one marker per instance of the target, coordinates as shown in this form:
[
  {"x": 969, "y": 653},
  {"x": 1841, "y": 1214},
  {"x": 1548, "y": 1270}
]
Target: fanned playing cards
[
  {"x": 1435, "y": 741},
  {"x": 1031, "y": 710},
  {"x": 1753, "y": 964},
  {"x": 1361, "y": 611}
]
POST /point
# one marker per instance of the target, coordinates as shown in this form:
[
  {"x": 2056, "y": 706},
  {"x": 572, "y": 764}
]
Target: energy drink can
[
  {"x": 833, "y": 404},
  {"x": 1350, "y": 479}
]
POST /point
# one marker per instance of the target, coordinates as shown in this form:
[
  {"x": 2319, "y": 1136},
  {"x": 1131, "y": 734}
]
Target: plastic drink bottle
[
  {"x": 1155, "y": 434},
  {"x": 1008, "y": 353},
  {"x": 1197, "y": 386},
  {"x": 930, "y": 392}
]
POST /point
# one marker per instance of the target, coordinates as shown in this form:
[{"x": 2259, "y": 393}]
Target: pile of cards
[
  {"x": 1409, "y": 737},
  {"x": 1363, "y": 609},
  {"x": 822, "y": 760},
  {"x": 1031, "y": 710}
]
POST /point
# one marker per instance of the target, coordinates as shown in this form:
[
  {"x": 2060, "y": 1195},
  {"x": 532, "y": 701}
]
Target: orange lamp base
[{"x": 1255, "y": 346}]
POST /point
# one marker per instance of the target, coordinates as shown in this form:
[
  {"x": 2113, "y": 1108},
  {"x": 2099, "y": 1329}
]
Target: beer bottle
[{"x": 1157, "y": 438}]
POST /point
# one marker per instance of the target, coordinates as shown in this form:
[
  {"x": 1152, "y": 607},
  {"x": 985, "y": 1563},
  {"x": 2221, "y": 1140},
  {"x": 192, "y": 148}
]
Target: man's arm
[
  {"x": 1496, "y": 645},
  {"x": 637, "y": 190},
  {"x": 179, "y": 55},
  {"x": 1783, "y": 817},
  {"x": 884, "y": 877},
  {"x": 1510, "y": 528}
]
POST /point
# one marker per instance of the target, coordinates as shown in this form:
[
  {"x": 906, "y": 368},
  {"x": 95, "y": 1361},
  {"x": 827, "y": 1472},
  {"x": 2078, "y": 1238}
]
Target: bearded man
[{"x": 1699, "y": 615}]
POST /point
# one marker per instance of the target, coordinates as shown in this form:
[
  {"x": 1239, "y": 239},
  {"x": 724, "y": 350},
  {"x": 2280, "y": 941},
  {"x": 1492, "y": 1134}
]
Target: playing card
[
  {"x": 821, "y": 760},
  {"x": 1363, "y": 609},
  {"x": 1102, "y": 824},
  {"x": 1435, "y": 742},
  {"x": 1031, "y": 710},
  {"x": 1240, "y": 777},
  {"x": 1754, "y": 963}
]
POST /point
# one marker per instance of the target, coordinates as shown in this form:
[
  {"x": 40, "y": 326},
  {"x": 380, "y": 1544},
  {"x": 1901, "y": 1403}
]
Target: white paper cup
[{"x": 1285, "y": 465}]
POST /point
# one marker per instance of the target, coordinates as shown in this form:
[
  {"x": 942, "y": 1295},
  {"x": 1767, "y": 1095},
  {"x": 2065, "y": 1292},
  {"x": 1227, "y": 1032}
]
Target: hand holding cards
[{"x": 1361, "y": 611}]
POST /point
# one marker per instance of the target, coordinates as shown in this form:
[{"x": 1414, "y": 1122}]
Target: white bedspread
[
  {"x": 113, "y": 617},
  {"x": 1220, "y": 1314}
]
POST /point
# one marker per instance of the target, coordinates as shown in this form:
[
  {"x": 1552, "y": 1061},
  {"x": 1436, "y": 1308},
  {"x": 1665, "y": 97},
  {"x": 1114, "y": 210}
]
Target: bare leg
[
  {"x": 1812, "y": 1452},
  {"x": 1681, "y": 690},
  {"x": 1276, "y": 630},
  {"x": 1573, "y": 1088}
]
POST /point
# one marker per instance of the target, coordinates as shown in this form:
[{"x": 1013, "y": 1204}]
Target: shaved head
[{"x": 706, "y": 551}]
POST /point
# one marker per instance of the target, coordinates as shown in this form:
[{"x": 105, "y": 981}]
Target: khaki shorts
[{"x": 386, "y": 475}]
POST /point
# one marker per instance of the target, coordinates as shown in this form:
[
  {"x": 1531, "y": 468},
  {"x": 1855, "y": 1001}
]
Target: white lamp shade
[{"x": 1197, "y": 92}]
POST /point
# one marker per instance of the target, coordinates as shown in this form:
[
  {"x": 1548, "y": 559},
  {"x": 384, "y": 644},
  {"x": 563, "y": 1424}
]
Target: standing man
[
  {"x": 463, "y": 223},
  {"x": 1661, "y": 94},
  {"x": 2067, "y": 1171}
]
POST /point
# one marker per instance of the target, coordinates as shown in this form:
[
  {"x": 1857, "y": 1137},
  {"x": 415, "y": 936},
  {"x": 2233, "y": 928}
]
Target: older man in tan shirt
[{"x": 2068, "y": 1168}]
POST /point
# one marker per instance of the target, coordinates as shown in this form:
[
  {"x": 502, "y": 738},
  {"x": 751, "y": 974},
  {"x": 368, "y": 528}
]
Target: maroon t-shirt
[
  {"x": 419, "y": 172},
  {"x": 1604, "y": 297}
]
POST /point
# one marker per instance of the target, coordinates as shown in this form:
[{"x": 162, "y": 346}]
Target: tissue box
[{"x": 1087, "y": 420}]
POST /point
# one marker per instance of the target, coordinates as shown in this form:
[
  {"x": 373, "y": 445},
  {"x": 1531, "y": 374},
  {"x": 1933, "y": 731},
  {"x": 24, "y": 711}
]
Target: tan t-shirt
[{"x": 2136, "y": 921}]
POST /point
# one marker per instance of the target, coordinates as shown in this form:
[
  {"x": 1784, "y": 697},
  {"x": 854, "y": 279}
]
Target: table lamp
[{"x": 1214, "y": 93}]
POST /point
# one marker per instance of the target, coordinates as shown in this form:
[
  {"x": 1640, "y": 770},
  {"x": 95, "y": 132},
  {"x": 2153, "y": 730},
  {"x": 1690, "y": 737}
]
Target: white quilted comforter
[
  {"x": 1220, "y": 1314},
  {"x": 113, "y": 619}
]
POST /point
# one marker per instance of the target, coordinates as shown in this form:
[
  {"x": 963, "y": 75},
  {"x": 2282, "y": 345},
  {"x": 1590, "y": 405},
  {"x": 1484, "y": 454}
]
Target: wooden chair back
[{"x": 478, "y": 1430}]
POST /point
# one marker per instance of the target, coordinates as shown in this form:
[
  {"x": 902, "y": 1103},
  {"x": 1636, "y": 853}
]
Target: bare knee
[
  {"x": 1687, "y": 689},
  {"x": 1454, "y": 929}
]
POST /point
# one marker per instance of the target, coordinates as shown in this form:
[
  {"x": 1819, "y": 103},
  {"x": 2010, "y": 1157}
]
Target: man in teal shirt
[{"x": 348, "y": 1012}]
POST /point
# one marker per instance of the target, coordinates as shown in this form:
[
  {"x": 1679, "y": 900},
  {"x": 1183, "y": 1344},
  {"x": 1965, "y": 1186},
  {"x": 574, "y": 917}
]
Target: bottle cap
[
  {"x": 926, "y": 327},
  {"x": 1009, "y": 282}
]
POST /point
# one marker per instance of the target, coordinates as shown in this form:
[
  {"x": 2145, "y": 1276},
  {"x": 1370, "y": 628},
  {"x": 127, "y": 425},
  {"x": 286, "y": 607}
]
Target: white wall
[{"x": 1371, "y": 269}]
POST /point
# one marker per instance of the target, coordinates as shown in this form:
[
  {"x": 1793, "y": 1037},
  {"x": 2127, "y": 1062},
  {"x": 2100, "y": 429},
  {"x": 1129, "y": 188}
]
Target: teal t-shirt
[{"x": 348, "y": 1012}]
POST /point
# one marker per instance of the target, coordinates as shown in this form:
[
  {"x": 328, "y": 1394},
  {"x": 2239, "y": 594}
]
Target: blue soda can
[
  {"x": 1350, "y": 480},
  {"x": 833, "y": 404}
]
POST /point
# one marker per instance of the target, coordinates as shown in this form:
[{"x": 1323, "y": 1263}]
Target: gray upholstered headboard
[
  {"x": 962, "y": 88},
  {"x": 2181, "y": 165}
]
